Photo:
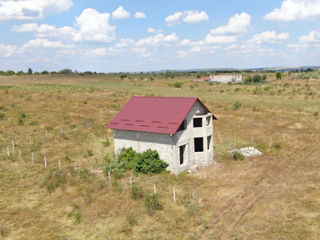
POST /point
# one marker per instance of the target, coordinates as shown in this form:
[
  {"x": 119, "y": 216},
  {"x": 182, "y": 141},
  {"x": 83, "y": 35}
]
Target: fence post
[
  {"x": 109, "y": 177},
  {"x": 45, "y": 162},
  {"x": 154, "y": 189},
  {"x": 174, "y": 194},
  {"x": 130, "y": 182},
  {"x": 32, "y": 159},
  {"x": 8, "y": 152}
]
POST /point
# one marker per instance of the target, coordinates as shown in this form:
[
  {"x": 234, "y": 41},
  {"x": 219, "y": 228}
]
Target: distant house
[
  {"x": 180, "y": 129},
  {"x": 224, "y": 78}
]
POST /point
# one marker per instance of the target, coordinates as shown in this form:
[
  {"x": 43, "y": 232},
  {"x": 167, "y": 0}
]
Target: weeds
[
  {"x": 152, "y": 203},
  {"x": 75, "y": 213},
  {"x": 137, "y": 192},
  {"x": 237, "y": 155},
  {"x": 236, "y": 105},
  {"x": 54, "y": 179}
]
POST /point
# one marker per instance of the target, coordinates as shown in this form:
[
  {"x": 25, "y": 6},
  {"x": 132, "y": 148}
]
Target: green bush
[
  {"x": 152, "y": 203},
  {"x": 149, "y": 162},
  {"x": 279, "y": 75},
  {"x": 128, "y": 157},
  {"x": 237, "y": 155},
  {"x": 236, "y": 105}
]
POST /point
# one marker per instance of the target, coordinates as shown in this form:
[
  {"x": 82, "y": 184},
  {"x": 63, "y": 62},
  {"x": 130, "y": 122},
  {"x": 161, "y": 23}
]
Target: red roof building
[
  {"x": 154, "y": 114},
  {"x": 180, "y": 129}
]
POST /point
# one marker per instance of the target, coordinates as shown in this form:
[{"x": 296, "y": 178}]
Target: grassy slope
[{"x": 269, "y": 197}]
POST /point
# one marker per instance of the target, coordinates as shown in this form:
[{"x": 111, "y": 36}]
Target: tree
[
  {"x": 30, "y": 71},
  {"x": 279, "y": 75}
]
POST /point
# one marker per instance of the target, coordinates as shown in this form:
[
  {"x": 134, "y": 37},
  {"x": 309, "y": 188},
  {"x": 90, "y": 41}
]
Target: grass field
[{"x": 273, "y": 196}]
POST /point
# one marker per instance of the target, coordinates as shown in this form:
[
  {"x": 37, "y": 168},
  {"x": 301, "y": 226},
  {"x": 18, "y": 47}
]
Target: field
[{"x": 64, "y": 117}]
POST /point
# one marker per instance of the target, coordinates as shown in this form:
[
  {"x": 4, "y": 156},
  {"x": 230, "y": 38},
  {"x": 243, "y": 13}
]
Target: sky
[{"x": 148, "y": 35}]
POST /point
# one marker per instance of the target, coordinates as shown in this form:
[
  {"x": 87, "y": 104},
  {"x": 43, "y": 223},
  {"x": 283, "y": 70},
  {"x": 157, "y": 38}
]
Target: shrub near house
[{"x": 147, "y": 162}]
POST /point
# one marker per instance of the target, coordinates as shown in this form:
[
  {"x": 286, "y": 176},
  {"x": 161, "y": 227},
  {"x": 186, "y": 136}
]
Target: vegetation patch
[{"x": 147, "y": 162}]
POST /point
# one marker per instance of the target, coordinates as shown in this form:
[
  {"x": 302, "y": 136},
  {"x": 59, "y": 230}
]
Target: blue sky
[{"x": 144, "y": 35}]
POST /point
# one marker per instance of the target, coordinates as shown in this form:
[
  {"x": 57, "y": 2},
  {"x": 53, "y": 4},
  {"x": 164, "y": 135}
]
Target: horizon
[{"x": 122, "y": 36}]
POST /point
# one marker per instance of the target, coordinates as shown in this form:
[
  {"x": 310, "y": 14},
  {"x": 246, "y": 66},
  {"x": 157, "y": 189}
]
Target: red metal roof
[{"x": 153, "y": 114}]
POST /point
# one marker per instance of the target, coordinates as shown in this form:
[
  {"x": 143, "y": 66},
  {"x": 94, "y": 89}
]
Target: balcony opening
[
  {"x": 198, "y": 144},
  {"x": 197, "y": 122}
]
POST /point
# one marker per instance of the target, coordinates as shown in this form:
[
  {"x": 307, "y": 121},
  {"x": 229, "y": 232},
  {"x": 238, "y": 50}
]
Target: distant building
[
  {"x": 224, "y": 78},
  {"x": 179, "y": 129}
]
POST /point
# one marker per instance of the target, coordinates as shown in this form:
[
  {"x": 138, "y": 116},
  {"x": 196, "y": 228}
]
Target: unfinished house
[
  {"x": 180, "y": 129},
  {"x": 224, "y": 78}
]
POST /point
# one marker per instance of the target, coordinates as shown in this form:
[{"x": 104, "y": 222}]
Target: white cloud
[
  {"x": 189, "y": 16},
  {"x": 46, "y": 31},
  {"x": 269, "y": 37},
  {"x": 140, "y": 15},
  {"x": 31, "y": 9},
  {"x": 188, "y": 42},
  {"x": 91, "y": 26},
  {"x": 7, "y": 50},
  {"x": 313, "y": 36},
  {"x": 291, "y": 10},
  {"x": 195, "y": 16},
  {"x": 125, "y": 42},
  {"x": 211, "y": 39},
  {"x": 153, "y": 30},
  {"x": 157, "y": 39},
  {"x": 94, "y": 26},
  {"x": 120, "y": 13},
  {"x": 44, "y": 43},
  {"x": 174, "y": 18},
  {"x": 237, "y": 24}
]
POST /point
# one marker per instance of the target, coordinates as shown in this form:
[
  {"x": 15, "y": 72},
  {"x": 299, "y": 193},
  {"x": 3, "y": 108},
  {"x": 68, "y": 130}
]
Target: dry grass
[{"x": 275, "y": 196}]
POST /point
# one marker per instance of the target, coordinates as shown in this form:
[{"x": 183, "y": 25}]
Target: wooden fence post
[
  {"x": 109, "y": 177},
  {"x": 45, "y": 162},
  {"x": 154, "y": 189}
]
